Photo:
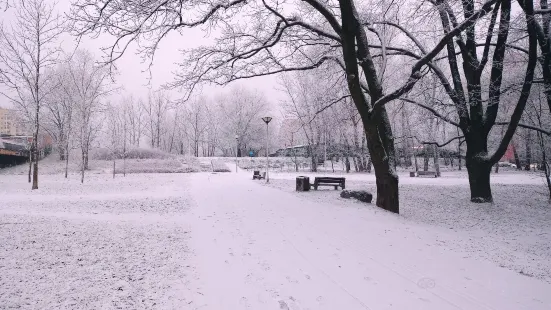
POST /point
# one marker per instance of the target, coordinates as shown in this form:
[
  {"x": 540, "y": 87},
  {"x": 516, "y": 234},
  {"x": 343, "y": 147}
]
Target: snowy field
[
  {"x": 107, "y": 244},
  {"x": 222, "y": 241},
  {"x": 513, "y": 232}
]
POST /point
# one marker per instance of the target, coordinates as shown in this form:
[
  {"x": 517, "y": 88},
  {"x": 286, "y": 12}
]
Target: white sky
[{"x": 133, "y": 75}]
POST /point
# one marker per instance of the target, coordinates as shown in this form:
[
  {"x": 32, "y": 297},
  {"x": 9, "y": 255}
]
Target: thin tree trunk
[
  {"x": 347, "y": 164},
  {"x": 517, "y": 158},
  {"x": 459, "y": 163},
  {"x": 545, "y": 164},
  {"x": 67, "y": 158},
  {"x": 82, "y": 169},
  {"x": 314, "y": 160},
  {"x": 113, "y": 167},
  {"x": 35, "y": 160},
  {"x": 356, "y": 165},
  {"x": 369, "y": 165},
  {"x": 437, "y": 160},
  {"x": 528, "y": 141},
  {"x": 425, "y": 159},
  {"x": 30, "y": 163},
  {"x": 416, "y": 163}
]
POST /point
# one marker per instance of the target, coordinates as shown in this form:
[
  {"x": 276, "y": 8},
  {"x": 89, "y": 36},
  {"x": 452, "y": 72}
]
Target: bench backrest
[
  {"x": 328, "y": 179},
  {"x": 425, "y": 172}
]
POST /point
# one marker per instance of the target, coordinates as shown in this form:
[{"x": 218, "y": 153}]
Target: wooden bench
[
  {"x": 258, "y": 176},
  {"x": 427, "y": 173},
  {"x": 329, "y": 181}
]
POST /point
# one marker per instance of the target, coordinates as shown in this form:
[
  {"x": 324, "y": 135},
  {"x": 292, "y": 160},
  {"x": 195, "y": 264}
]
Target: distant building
[
  {"x": 11, "y": 125},
  {"x": 509, "y": 155}
]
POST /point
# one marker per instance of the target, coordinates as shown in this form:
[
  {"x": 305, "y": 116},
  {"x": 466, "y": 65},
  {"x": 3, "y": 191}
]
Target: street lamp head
[{"x": 267, "y": 119}]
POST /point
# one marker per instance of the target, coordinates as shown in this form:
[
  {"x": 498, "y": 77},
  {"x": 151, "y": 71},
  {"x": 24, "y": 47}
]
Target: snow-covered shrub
[
  {"x": 219, "y": 166},
  {"x": 133, "y": 153}
]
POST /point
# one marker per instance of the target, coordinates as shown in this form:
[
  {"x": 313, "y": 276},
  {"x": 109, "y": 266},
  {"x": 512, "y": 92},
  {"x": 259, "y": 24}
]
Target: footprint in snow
[
  {"x": 289, "y": 305},
  {"x": 283, "y": 305}
]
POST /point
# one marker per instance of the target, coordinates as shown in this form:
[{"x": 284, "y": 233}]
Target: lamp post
[
  {"x": 236, "y": 150},
  {"x": 267, "y": 120}
]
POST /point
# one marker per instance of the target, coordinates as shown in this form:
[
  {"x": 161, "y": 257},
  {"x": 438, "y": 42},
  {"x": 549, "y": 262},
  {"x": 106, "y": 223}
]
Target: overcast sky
[{"x": 133, "y": 75}]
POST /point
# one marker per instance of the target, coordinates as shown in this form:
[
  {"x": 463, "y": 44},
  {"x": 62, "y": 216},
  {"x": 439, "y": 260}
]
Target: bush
[
  {"x": 133, "y": 153},
  {"x": 219, "y": 166}
]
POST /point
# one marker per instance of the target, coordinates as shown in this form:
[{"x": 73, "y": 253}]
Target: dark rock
[
  {"x": 346, "y": 194},
  {"x": 362, "y": 196}
]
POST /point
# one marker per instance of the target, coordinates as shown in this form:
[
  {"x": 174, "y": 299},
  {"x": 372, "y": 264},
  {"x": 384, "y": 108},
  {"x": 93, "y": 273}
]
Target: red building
[{"x": 509, "y": 155}]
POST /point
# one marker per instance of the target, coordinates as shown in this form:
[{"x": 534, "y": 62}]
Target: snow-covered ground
[
  {"x": 513, "y": 232},
  {"x": 107, "y": 244},
  {"x": 224, "y": 241}
]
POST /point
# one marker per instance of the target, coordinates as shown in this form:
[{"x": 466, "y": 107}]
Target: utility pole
[
  {"x": 294, "y": 150},
  {"x": 236, "y": 150},
  {"x": 267, "y": 120},
  {"x": 324, "y": 147}
]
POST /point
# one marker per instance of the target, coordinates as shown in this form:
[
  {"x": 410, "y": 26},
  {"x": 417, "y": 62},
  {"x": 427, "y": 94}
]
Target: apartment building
[{"x": 10, "y": 124}]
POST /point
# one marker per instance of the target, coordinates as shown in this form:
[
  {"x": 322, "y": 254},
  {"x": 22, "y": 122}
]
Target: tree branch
[
  {"x": 433, "y": 111},
  {"x": 522, "y": 125},
  {"x": 415, "y": 71},
  {"x": 445, "y": 143}
]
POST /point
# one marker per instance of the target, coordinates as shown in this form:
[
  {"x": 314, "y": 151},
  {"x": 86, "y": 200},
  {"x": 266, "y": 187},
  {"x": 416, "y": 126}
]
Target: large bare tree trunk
[
  {"x": 478, "y": 169},
  {"x": 479, "y": 180},
  {"x": 383, "y": 157}
]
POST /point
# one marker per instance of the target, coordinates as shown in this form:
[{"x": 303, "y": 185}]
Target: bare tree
[
  {"x": 115, "y": 132},
  {"x": 242, "y": 110},
  {"x": 197, "y": 122},
  {"x": 134, "y": 120},
  {"x": 59, "y": 107},
  {"x": 87, "y": 85},
  {"x": 477, "y": 102},
  {"x": 28, "y": 49},
  {"x": 156, "y": 109}
]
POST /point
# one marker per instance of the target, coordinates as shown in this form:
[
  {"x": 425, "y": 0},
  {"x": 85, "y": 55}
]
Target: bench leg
[
  {"x": 336, "y": 187},
  {"x": 315, "y": 187}
]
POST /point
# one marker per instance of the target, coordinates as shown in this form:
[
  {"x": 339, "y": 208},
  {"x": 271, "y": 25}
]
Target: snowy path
[{"x": 257, "y": 247}]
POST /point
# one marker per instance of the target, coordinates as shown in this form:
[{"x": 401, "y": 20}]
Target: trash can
[{"x": 303, "y": 184}]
